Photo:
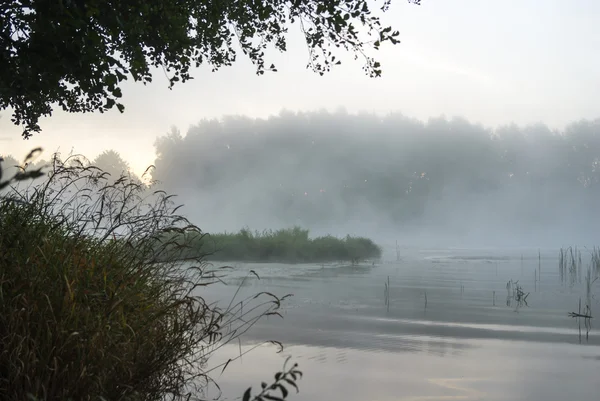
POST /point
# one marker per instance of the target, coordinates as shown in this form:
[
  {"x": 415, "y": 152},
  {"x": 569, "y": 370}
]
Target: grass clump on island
[
  {"x": 90, "y": 309},
  {"x": 292, "y": 245}
]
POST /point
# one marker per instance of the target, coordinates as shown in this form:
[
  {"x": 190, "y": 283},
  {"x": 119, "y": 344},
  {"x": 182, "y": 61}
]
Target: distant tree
[
  {"x": 111, "y": 162},
  {"x": 8, "y": 166},
  {"x": 76, "y": 53}
]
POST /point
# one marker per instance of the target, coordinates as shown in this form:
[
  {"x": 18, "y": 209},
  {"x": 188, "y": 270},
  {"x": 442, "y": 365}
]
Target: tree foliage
[
  {"x": 110, "y": 161},
  {"x": 9, "y": 166},
  {"x": 349, "y": 171},
  {"x": 77, "y": 53}
]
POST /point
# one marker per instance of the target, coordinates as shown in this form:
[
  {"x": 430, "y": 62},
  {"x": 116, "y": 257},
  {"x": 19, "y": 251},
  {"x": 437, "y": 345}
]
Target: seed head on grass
[{"x": 97, "y": 301}]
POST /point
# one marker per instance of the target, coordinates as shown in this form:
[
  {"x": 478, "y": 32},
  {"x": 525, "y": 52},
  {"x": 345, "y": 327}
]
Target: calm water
[{"x": 469, "y": 342}]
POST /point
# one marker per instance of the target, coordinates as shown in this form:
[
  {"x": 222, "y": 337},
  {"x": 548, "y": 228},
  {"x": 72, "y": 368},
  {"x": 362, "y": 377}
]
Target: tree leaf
[
  {"x": 246, "y": 396},
  {"x": 272, "y": 397},
  {"x": 284, "y": 391}
]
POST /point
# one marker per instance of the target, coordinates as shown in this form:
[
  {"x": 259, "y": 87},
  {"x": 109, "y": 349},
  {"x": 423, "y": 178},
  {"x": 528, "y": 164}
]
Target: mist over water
[
  {"x": 442, "y": 182},
  {"x": 451, "y": 329},
  {"x": 477, "y": 272},
  {"x": 474, "y": 211}
]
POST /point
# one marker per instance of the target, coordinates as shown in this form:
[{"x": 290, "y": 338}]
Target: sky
[{"x": 494, "y": 62}]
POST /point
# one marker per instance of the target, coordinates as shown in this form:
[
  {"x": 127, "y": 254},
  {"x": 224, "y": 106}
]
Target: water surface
[{"x": 450, "y": 331}]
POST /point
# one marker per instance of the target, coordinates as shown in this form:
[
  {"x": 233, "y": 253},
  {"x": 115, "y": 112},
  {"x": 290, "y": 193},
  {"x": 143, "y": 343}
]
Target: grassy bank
[
  {"x": 89, "y": 307},
  {"x": 291, "y": 245}
]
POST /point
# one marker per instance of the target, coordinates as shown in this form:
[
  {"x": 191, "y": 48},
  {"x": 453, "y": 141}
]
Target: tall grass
[
  {"x": 586, "y": 315},
  {"x": 90, "y": 309},
  {"x": 291, "y": 245},
  {"x": 386, "y": 293},
  {"x": 570, "y": 265},
  {"x": 516, "y": 295},
  {"x": 595, "y": 262}
]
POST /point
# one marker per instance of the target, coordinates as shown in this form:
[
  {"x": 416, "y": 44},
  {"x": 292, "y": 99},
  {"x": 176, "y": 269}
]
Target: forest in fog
[
  {"x": 444, "y": 182},
  {"x": 439, "y": 182}
]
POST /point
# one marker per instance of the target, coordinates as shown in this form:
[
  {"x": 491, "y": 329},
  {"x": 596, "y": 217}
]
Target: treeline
[
  {"x": 364, "y": 174},
  {"x": 320, "y": 168},
  {"x": 109, "y": 161}
]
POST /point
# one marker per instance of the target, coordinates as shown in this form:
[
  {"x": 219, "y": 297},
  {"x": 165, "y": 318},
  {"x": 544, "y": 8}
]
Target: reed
[
  {"x": 386, "y": 293},
  {"x": 91, "y": 309}
]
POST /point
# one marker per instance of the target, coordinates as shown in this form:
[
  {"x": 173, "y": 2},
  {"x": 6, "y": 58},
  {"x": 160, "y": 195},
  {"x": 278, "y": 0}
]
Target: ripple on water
[{"x": 462, "y": 346}]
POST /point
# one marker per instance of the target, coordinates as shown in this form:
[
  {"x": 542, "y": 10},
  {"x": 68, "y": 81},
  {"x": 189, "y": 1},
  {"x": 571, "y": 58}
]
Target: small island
[{"x": 291, "y": 245}]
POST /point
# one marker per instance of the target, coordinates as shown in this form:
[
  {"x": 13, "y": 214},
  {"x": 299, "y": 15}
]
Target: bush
[{"x": 90, "y": 307}]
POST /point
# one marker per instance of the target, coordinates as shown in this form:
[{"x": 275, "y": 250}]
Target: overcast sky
[{"x": 490, "y": 61}]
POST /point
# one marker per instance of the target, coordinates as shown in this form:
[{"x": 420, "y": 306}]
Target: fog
[{"x": 441, "y": 182}]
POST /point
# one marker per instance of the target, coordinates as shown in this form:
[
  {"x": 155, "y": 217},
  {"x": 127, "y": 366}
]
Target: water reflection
[
  {"x": 483, "y": 369},
  {"x": 359, "y": 338}
]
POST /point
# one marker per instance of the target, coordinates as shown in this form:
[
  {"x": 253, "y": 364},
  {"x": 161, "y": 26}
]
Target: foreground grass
[
  {"x": 89, "y": 308},
  {"x": 286, "y": 245}
]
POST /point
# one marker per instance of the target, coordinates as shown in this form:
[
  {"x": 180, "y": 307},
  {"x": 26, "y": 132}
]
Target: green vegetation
[
  {"x": 401, "y": 171},
  {"x": 88, "y": 308},
  {"x": 291, "y": 245},
  {"x": 77, "y": 54}
]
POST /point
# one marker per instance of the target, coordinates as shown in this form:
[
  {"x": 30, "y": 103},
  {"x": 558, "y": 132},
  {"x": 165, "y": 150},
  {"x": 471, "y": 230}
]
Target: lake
[{"x": 450, "y": 331}]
